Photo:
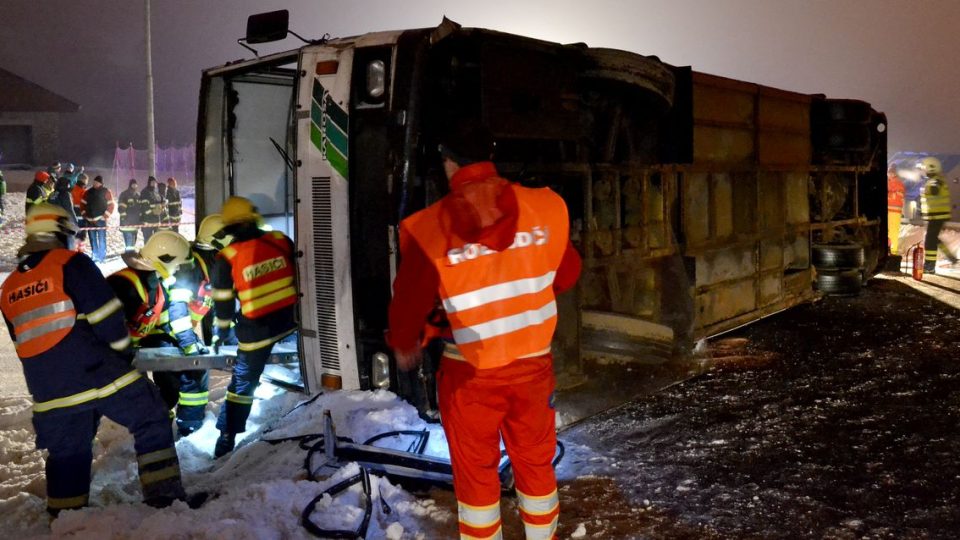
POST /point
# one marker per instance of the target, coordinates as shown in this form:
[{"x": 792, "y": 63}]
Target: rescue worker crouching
[
  {"x": 158, "y": 316},
  {"x": 69, "y": 331},
  {"x": 257, "y": 268}
]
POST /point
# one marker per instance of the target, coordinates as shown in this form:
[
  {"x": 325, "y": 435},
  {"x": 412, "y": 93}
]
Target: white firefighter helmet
[
  {"x": 210, "y": 233},
  {"x": 165, "y": 251},
  {"x": 930, "y": 166},
  {"x": 46, "y": 218}
]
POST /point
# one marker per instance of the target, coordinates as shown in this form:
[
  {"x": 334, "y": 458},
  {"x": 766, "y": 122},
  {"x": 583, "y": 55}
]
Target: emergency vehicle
[{"x": 699, "y": 203}]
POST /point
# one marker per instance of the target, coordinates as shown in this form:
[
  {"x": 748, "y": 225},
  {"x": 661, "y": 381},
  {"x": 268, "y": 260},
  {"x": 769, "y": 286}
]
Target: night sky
[{"x": 899, "y": 55}]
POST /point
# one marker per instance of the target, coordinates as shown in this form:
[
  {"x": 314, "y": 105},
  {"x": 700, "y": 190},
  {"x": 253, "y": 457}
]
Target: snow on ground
[{"x": 257, "y": 492}]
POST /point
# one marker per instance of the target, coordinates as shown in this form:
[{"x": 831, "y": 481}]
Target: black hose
[
  {"x": 363, "y": 478},
  {"x": 418, "y": 446}
]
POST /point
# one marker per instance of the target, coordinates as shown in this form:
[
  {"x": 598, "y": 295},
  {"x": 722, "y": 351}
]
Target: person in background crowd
[
  {"x": 95, "y": 208},
  {"x": 165, "y": 216},
  {"x": 76, "y": 356},
  {"x": 37, "y": 191},
  {"x": 76, "y": 194},
  {"x": 130, "y": 215},
  {"x": 151, "y": 208},
  {"x": 496, "y": 376},
  {"x": 54, "y": 169},
  {"x": 72, "y": 173},
  {"x": 64, "y": 199},
  {"x": 257, "y": 268},
  {"x": 156, "y": 316},
  {"x": 174, "y": 204},
  {"x": 3, "y": 192}
]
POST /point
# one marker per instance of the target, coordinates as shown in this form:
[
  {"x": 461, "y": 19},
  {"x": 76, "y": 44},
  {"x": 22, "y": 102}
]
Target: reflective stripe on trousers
[{"x": 88, "y": 395}]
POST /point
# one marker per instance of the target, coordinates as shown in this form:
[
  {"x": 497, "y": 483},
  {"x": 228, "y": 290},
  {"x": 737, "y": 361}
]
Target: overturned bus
[{"x": 699, "y": 203}]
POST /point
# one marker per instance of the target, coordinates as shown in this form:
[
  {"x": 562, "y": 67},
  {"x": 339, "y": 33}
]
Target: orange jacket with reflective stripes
[
  {"x": 500, "y": 304},
  {"x": 895, "y": 194},
  {"x": 37, "y": 306},
  {"x": 263, "y": 274}
]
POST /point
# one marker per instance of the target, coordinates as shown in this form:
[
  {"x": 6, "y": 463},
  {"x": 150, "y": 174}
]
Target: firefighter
[
  {"x": 895, "y": 198},
  {"x": 156, "y": 317},
  {"x": 37, "y": 191},
  {"x": 3, "y": 193},
  {"x": 76, "y": 196},
  {"x": 193, "y": 285},
  {"x": 257, "y": 268},
  {"x": 69, "y": 332},
  {"x": 174, "y": 204},
  {"x": 935, "y": 208},
  {"x": 195, "y": 274},
  {"x": 130, "y": 215},
  {"x": 494, "y": 254},
  {"x": 151, "y": 208}
]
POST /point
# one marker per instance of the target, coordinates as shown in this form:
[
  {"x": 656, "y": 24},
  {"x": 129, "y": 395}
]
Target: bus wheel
[
  {"x": 840, "y": 282},
  {"x": 838, "y": 256}
]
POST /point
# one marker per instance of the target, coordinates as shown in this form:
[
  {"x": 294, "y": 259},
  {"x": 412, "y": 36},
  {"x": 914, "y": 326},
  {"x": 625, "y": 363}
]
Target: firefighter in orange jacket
[
  {"x": 496, "y": 254},
  {"x": 69, "y": 332},
  {"x": 257, "y": 268},
  {"x": 158, "y": 315},
  {"x": 895, "y": 196}
]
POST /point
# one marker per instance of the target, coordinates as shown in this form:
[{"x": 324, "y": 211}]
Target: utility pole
[{"x": 151, "y": 140}]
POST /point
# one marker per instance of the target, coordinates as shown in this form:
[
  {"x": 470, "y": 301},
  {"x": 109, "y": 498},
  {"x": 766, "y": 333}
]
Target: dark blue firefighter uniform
[
  {"x": 86, "y": 375},
  {"x": 142, "y": 291},
  {"x": 256, "y": 335}
]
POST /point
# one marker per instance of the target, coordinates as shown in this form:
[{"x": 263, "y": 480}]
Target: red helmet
[{"x": 41, "y": 176}]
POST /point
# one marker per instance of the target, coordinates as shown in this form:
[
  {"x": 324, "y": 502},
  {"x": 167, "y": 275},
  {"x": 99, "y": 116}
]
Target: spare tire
[
  {"x": 838, "y": 256},
  {"x": 840, "y": 283},
  {"x": 645, "y": 73}
]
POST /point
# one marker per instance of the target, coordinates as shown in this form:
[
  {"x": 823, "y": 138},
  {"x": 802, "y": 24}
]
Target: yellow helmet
[
  {"x": 930, "y": 166},
  {"x": 165, "y": 251},
  {"x": 48, "y": 218},
  {"x": 239, "y": 210},
  {"x": 210, "y": 233}
]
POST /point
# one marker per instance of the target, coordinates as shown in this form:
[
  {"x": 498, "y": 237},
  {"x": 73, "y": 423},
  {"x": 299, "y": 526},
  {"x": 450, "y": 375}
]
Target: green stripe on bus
[
  {"x": 316, "y": 137},
  {"x": 338, "y": 138},
  {"x": 337, "y": 160},
  {"x": 335, "y": 113}
]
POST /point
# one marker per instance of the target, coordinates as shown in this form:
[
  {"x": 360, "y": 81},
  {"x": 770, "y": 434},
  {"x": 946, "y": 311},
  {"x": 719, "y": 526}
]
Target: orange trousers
[{"x": 477, "y": 408}]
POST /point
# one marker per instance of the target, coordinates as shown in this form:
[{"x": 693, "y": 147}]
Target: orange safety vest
[
  {"x": 895, "y": 195},
  {"x": 500, "y": 305},
  {"x": 147, "y": 317},
  {"x": 37, "y": 306},
  {"x": 263, "y": 274},
  {"x": 202, "y": 299}
]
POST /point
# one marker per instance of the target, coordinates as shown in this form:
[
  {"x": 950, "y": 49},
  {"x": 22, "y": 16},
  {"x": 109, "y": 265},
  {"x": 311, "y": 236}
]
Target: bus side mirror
[{"x": 267, "y": 27}]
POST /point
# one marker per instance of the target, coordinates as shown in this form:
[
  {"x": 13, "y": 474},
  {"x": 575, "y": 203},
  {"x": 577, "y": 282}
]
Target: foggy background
[{"x": 898, "y": 55}]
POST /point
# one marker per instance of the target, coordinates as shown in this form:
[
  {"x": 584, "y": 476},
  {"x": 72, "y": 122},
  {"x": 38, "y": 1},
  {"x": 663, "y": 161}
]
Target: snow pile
[{"x": 259, "y": 491}]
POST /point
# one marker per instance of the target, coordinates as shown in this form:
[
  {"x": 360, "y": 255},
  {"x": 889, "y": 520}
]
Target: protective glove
[{"x": 215, "y": 343}]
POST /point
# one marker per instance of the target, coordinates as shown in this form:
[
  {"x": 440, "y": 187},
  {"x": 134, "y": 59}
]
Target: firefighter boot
[
  {"x": 225, "y": 444},
  {"x": 160, "y": 478},
  {"x": 186, "y": 428},
  {"x": 930, "y": 267}
]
